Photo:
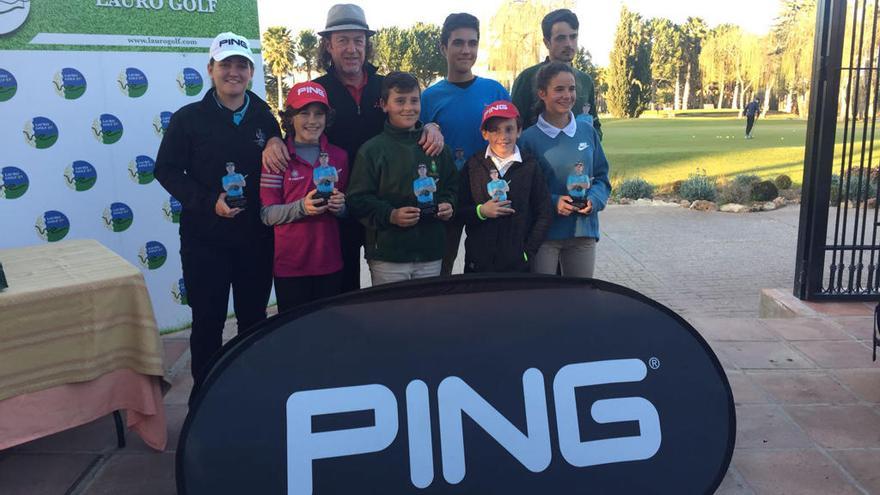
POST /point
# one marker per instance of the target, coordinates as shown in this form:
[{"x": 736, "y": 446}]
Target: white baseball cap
[{"x": 229, "y": 44}]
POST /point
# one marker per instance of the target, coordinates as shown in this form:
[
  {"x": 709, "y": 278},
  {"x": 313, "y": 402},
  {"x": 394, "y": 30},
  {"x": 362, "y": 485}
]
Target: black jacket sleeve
[
  {"x": 542, "y": 209},
  {"x": 467, "y": 206},
  {"x": 172, "y": 164}
]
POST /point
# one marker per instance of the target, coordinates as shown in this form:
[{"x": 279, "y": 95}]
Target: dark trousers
[
  {"x": 453, "y": 240},
  {"x": 291, "y": 292},
  {"x": 209, "y": 270},
  {"x": 750, "y": 122},
  {"x": 351, "y": 239}
]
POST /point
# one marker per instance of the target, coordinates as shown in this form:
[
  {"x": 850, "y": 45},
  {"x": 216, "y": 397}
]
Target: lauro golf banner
[
  {"x": 87, "y": 88},
  {"x": 472, "y": 385}
]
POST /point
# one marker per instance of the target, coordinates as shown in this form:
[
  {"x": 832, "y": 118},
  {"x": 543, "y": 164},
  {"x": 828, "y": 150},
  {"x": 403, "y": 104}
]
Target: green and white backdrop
[{"x": 87, "y": 88}]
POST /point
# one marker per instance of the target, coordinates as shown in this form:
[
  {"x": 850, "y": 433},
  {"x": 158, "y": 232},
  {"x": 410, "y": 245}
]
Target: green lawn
[{"x": 665, "y": 150}]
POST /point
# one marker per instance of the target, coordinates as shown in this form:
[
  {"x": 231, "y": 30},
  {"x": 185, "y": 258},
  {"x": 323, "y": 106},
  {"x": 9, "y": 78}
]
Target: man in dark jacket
[
  {"x": 753, "y": 110},
  {"x": 503, "y": 234},
  {"x": 220, "y": 245},
  {"x": 353, "y": 88}
]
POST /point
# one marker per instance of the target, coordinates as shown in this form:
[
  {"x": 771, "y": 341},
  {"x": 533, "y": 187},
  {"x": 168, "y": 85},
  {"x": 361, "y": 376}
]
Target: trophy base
[
  {"x": 236, "y": 202},
  {"x": 427, "y": 212},
  {"x": 579, "y": 204},
  {"x": 323, "y": 196}
]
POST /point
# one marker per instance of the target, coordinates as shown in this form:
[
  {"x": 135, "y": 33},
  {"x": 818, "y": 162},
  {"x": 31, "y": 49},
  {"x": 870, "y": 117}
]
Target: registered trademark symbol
[{"x": 654, "y": 363}]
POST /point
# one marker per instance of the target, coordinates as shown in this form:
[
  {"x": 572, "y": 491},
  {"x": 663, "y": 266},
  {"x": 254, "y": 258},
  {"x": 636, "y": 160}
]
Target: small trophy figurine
[
  {"x": 577, "y": 184},
  {"x": 497, "y": 187},
  {"x": 325, "y": 178},
  {"x": 424, "y": 188},
  {"x": 233, "y": 184},
  {"x": 459, "y": 158}
]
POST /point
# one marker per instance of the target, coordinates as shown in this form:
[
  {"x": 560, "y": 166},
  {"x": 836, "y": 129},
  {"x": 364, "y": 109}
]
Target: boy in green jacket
[{"x": 389, "y": 191}]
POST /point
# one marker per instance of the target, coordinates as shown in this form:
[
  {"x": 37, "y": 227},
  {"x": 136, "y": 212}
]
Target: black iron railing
[{"x": 838, "y": 245}]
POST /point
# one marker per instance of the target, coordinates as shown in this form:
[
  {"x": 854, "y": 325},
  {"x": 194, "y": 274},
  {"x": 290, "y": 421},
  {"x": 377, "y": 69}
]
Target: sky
[{"x": 598, "y": 17}]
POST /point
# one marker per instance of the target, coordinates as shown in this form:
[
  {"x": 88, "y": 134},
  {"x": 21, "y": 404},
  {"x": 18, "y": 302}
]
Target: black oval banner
[{"x": 468, "y": 385}]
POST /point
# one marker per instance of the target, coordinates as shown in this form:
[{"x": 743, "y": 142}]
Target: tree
[
  {"x": 415, "y": 50},
  {"x": 278, "y": 55},
  {"x": 389, "y": 48},
  {"x": 272, "y": 92},
  {"x": 666, "y": 55},
  {"x": 583, "y": 61},
  {"x": 515, "y": 41},
  {"x": 794, "y": 33},
  {"x": 629, "y": 68},
  {"x": 423, "y": 58},
  {"x": 694, "y": 32},
  {"x": 307, "y": 50}
]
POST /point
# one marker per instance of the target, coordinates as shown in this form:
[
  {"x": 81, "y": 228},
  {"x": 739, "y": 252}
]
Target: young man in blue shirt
[{"x": 457, "y": 104}]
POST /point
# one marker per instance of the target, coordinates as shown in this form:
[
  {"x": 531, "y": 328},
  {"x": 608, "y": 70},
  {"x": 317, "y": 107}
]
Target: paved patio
[{"x": 807, "y": 394}]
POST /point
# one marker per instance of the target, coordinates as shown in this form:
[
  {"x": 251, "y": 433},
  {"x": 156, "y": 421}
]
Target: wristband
[
  {"x": 480, "y": 215},
  {"x": 525, "y": 256}
]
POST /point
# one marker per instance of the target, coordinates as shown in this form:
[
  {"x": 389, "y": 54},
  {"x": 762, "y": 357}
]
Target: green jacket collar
[{"x": 404, "y": 135}]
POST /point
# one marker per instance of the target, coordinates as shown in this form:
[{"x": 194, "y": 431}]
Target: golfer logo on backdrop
[
  {"x": 69, "y": 83},
  {"x": 160, "y": 123},
  {"x": 190, "y": 82},
  {"x": 40, "y": 132},
  {"x": 8, "y": 85},
  {"x": 80, "y": 176},
  {"x": 52, "y": 226},
  {"x": 152, "y": 255},
  {"x": 14, "y": 183},
  {"x": 13, "y": 13}
]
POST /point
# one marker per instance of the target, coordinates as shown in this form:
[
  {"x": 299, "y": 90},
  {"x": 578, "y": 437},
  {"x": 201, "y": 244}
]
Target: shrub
[
  {"x": 635, "y": 188},
  {"x": 765, "y": 191},
  {"x": 783, "y": 182},
  {"x": 734, "y": 192},
  {"x": 676, "y": 186},
  {"x": 698, "y": 186},
  {"x": 868, "y": 190},
  {"x": 747, "y": 180}
]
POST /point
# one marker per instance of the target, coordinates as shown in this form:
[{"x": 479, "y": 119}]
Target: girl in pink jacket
[{"x": 303, "y": 202}]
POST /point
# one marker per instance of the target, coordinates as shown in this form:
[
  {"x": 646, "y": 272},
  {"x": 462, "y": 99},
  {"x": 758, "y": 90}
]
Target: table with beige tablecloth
[{"x": 78, "y": 340}]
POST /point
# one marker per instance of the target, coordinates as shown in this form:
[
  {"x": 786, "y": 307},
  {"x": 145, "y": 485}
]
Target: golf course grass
[{"x": 662, "y": 151}]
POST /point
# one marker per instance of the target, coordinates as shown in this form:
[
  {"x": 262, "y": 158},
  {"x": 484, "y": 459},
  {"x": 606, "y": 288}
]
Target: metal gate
[{"x": 838, "y": 254}]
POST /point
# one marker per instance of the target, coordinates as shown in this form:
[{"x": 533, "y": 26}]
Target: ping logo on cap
[
  {"x": 233, "y": 41},
  {"x": 495, "y": 108},
  {"x": 311, "y": 90}
]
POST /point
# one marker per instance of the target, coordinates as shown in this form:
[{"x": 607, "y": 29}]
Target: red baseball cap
[
  {"x": 500, "y": 108},
  {"x": 301, "y": 94}
]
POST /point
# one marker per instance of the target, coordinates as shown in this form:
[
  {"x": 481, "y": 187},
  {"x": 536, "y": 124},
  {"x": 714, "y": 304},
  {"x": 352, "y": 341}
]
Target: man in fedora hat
[{"x": 353, "y": 89}]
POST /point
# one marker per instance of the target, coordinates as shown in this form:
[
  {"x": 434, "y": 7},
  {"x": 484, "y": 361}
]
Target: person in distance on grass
[{"x": 752, "y": 111}]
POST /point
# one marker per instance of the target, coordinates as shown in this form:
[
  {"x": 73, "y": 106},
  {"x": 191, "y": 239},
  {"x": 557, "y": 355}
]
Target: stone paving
[
  {"x": 697, "y": 263},
  {"x": 807, "y": 394}
]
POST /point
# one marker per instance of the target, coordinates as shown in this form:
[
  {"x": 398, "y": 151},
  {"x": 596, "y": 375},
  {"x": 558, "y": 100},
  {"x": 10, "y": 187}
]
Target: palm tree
[
  {"x": 308, "y": 50},
  {"x": 278, "y": 53}
]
